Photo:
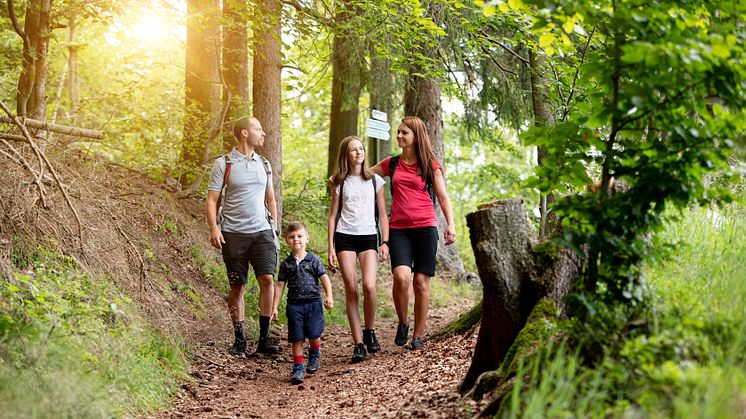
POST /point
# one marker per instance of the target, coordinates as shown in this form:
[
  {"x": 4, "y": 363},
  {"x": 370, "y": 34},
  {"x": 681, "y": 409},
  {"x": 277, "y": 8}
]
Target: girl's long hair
[
  {"x": 423, "y": 147},
  {"x": 343, "y": 166}
]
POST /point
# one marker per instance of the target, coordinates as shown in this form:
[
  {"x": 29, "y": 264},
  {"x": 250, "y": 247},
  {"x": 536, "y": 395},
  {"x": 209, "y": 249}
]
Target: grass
[
  {"x": 691, "y": 360},
  {"x": 71, "y": 346}
]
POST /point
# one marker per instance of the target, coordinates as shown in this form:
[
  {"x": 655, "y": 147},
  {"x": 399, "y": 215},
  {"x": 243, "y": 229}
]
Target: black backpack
[
  {"x": 375, "y": 206},
  {"x": 393, "y": 162}
]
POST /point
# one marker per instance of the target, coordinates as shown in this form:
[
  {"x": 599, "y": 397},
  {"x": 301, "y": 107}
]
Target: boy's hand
[
  {"x": 328, "y": 302},
  {"x": 274, "y": 316}
]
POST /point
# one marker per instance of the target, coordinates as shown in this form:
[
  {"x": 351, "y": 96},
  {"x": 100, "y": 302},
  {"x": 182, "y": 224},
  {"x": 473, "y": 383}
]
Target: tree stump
[{"x": 516, "y": 272}]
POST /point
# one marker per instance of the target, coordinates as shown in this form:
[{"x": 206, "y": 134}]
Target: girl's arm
[
  {"x": 327, "y": 284},
  {"x": 383, "y": 218},
  {"x": 439, "y": 184},
  {"x": 279, "y": 287},
  {"x": 332, "y": 225}
]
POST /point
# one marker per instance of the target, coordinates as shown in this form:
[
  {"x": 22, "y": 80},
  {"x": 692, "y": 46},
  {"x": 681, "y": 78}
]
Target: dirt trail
[{"x": 393, "y": 383}]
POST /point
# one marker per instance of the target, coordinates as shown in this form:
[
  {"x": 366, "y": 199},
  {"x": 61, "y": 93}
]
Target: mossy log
[{"x": 516, "y": 272}]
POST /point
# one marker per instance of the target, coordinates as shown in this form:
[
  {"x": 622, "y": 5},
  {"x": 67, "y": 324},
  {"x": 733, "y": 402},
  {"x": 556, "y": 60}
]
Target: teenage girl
[
  {"x": 414, "y": 234},
  {"x": 353, "y": 235}
]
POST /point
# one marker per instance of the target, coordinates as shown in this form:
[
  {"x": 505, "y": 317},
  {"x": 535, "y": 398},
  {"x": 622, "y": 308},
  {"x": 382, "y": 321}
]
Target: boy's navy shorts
[
  {"x": 414, "y": 247},
  {"x": 305, "y": 320}
]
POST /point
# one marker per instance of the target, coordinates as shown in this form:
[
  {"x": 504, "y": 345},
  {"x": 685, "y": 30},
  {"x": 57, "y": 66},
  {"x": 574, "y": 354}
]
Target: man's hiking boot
[
  {"x": 298, "y": 374},
  {"x": 402, "y": 331},
  {"x": 265, "y": 346},
  {"x": 358, "y": 353},
  {"x": 313, "y": 361},
  {"x": 238, "y": 348},
  {"x": 416, "y": 343},
  {"x": 369, "y": 338}
]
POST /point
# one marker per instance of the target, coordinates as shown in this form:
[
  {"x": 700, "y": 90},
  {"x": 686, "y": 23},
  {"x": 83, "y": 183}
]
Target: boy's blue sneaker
[
  {"x": 402, "y": 331},
  {"x": 298, "y": 374},
  {"x": 313, "y": 361}
]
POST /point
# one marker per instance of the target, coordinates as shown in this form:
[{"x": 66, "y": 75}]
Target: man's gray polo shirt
[{"x": 243, "y": 204}]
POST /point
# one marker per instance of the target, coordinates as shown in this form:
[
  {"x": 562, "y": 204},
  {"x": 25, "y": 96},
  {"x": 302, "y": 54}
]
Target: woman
[{"x": 416, "y": 180}]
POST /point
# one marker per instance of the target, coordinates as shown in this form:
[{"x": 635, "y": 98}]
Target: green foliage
[
  {"x": 688, "y": 356},
  {"x": 70, "y": 346},
  {"x": 659, "y": 104}
]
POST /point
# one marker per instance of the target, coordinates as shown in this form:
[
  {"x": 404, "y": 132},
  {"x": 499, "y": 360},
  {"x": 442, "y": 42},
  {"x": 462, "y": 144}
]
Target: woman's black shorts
[
  {"x": 414, "y": 247},
  {"x": 355, "y": 243}
]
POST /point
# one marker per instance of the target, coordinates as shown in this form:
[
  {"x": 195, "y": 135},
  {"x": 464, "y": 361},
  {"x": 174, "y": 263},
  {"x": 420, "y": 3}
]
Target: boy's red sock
[
  {"x": 316, "y": 348},
  {"x": 297, "y": 359}
]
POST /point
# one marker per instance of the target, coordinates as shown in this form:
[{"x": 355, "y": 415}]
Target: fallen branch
[
  {"x": 42, "y": 156},
  {"x": 47, "y": 126},
  {"x": 204, "y": 358},
  {"x": 143, "y": 272}
]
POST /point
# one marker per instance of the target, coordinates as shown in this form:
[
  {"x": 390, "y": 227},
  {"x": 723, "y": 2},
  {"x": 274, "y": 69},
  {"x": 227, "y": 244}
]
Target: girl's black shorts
[{"x": 355, "y": 243}]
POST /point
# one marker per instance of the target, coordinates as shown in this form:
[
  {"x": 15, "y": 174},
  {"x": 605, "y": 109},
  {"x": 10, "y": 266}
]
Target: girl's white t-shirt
[{"x": 358, "y": 213}]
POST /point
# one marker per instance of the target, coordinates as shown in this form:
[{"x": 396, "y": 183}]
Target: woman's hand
[{"x": 450, "y": 235}]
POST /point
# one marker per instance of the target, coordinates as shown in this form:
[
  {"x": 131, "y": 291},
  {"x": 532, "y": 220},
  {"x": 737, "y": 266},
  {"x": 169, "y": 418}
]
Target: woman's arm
[
  {"x": 439, "y": 184},
  {"x": 377, "y": 169}
]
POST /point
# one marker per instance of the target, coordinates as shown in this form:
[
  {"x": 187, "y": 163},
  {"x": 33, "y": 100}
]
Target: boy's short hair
[{"x": 293, "y": 227}]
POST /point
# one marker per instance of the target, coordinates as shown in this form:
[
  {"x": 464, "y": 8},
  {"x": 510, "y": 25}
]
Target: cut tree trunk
[{"x": 516, "y": 272}]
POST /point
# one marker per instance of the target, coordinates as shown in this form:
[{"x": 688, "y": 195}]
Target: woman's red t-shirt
[{"x": 411, "y": 206}]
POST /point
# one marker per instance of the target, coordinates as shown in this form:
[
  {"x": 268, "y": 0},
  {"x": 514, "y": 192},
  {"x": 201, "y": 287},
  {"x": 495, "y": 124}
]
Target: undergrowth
[
  {"x": 683, "y": 355},
  {"x": 72, "y": 346}
]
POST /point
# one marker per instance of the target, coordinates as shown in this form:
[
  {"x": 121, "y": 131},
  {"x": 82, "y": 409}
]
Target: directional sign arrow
[{"x": 379, "y": 125}]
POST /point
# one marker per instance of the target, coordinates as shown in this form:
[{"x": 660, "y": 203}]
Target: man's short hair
[
  {"x": 241, "y": 123},
  {"x": 294, "y": 226}
]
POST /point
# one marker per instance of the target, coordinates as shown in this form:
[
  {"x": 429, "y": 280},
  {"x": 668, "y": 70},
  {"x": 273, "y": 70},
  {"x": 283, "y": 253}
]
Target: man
[{"x": 244, "y": 233}]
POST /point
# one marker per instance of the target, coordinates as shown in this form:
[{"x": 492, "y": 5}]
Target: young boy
[{"x": 302, "y": 271}]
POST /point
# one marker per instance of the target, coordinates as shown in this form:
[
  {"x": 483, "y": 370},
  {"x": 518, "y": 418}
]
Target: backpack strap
[
  {"x": 224, "y": 187},
  {"x": 393, "y": 162}
]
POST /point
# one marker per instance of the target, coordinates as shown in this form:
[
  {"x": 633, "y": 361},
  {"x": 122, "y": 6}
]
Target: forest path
[{"x": 393, "y": 383}]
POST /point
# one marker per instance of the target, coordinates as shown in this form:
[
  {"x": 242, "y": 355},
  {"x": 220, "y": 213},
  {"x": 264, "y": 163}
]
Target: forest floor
[{"x": 393, "y": 383}]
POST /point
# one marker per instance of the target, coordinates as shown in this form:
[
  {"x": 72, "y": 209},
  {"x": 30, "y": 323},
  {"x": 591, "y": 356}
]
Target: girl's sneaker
[
  {"x": 402, "y": 331},
  {"x": 371, "y": 343},
  {"x": 358, "y": 353}
]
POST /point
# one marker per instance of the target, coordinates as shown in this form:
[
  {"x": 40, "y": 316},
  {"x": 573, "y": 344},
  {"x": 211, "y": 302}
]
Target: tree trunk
[
  {"x": 73, "y": 85},
  {"x": 31, "y": 95},
  {"x": 235, "y": 64},
  {"x": 268, "y": 88},
  {"x": 542, "y": 116},
  {"x": 202, "y": 84},
  {"x": 347, "y": 73},
  {"x": 381, "y": 88},
  {"x": 516, "y": 274},
  {"x": 422, "y": 99}
]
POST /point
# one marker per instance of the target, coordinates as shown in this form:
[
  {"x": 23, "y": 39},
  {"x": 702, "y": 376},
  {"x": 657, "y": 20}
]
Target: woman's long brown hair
[
  {"x": 343, "y": 167},
  {"x": 423, "y": 147}
]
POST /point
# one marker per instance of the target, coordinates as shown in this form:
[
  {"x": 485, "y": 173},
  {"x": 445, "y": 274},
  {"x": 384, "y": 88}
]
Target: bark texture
[
  {"x": 267, "y": 88},
  {"x": 31, "y": 95},
  {"x": 348, "y": 66},
  {"x": 235, "y": 65},
  {"x": 515, "y": 273},
  {"x": 202, "y": 84}
]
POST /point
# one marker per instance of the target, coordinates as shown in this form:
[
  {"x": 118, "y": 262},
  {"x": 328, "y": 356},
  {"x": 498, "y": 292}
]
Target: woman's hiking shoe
[
  {"x": 371, "y": 343},
  {"x": 298, "y": 374},
  {"x": 358, "y": 353},
  {"x": 416, "y": 343},
  {"x": 265, "y": 346},
  {"x": 238, "y": 348},
  {"x": 402, "y": 331},
  {"x": 313, "y": 361}
]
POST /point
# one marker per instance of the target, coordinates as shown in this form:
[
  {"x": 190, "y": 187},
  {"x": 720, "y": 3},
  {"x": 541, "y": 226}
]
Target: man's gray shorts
[{"x": 241, "y": 249}]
